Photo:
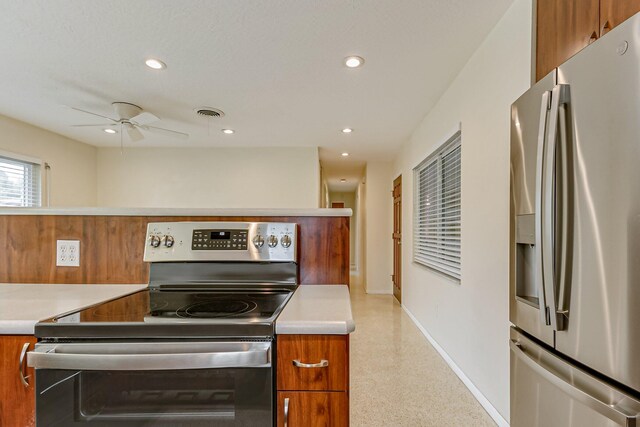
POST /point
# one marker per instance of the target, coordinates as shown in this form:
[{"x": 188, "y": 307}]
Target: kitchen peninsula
[{"x": 320, "y": 239}]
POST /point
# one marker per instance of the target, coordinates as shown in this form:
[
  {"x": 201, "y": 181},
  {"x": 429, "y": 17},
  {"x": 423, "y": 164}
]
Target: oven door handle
[{"x": 116, "y": 358}]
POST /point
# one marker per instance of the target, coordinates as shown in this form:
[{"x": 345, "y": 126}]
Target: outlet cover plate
[{"x": 68, "y": 253}]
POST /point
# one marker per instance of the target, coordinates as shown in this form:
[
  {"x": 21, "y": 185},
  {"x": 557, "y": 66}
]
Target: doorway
[
  {"x": 337, "y": 205},
  {"x": 397, "y": 238}
]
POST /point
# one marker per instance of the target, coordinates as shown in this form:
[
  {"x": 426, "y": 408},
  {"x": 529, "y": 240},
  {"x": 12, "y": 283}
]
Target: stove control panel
[{"x": 221, "y": 241}]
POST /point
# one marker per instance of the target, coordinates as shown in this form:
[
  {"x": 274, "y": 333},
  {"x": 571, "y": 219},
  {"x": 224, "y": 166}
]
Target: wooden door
[
  {"x": 614, "y": 12},
  {"x": 397, "y": 238},
  {"x": 337, "y": 205},
  {"x": 564, "y": 27},
  {"x": 313, "y": 409},
  {"x": 17, "y": 402}
]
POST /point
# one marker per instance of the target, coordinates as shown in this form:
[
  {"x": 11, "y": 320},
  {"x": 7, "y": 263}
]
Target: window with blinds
[
  {"x": 436, "y": 233},
  {"x": 19, "y": 182}
]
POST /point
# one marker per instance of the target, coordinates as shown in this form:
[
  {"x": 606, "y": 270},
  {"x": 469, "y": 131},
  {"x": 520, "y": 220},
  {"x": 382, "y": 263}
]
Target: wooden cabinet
[
  {"x": 313, "y": 380},
  {"x": 313, "y": 409},
  {"x": 613, "y": 12},
  {"x": 17, "y": 402},
  {"x": 564, "y": 27},
  {"x": 297, "y": 352}
]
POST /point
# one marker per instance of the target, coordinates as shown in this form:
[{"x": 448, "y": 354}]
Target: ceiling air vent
[{"x": 209, "y": 112}]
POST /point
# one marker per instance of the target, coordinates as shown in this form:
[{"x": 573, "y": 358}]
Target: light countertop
[
  {"x": 317, "y": 309},
  {"x": 175, "y": 212},
  {"x": 24, "y": 305},
  {"x": 313, "y": 309}
]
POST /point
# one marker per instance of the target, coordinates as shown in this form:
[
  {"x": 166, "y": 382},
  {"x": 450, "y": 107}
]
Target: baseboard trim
[
  {"x": 491, "y": 410},
  {"x": 378, "y": 292}
]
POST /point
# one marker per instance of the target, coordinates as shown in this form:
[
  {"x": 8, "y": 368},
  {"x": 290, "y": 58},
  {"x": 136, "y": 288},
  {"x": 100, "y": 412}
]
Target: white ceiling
[{"x": 274, "y": 67}]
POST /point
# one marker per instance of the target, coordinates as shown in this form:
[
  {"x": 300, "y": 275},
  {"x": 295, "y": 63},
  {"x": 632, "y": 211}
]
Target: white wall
[
  {"x": 84, "y": 175},
  {"x": 72, "y": 175},
  {"x": 361, "y": 240},
  {"x": 378, "y": 226},
  {"x": 470, "y": 320},
  {"x": 209, "y": 177}
]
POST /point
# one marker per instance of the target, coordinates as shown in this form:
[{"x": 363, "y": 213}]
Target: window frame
[
  {"x": 437, "y": 157},
  {"x": 39, "y": 179}
]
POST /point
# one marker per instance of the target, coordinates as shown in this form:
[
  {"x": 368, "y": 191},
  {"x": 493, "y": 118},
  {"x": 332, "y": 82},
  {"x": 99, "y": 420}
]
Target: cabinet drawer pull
[
  {"x": 323, "y": 364},
  {"x": 23, "y": 354},
  {"x": 286, "y": 412}
]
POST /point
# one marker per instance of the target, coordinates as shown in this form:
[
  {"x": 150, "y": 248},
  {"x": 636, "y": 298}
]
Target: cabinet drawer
[
  {"x": 17, "y": 401},
  {"x": 313, "y": 409},
  {"x": 313, "y": 362}
]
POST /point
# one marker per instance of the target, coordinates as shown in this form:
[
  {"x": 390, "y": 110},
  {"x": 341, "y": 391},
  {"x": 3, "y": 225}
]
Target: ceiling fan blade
[
  {"x": 134, "y": 133},
  {"x": 96, "y": 125},
  {"x": 93, "y": 114},
  {"x": 144, "y": 118},
  {"x": 167, "y": 132}
]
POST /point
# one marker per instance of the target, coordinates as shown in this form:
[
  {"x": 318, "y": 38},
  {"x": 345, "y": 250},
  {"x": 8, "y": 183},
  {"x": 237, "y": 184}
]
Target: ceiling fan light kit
[{"x": 132, "y": 118}]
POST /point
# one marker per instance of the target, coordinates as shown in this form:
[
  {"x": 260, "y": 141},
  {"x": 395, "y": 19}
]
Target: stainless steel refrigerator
[{"x": 575, "y": 240}]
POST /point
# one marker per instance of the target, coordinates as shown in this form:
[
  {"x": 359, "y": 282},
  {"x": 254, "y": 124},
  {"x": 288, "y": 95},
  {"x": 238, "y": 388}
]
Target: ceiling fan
[{"x": 132, "y": 118}]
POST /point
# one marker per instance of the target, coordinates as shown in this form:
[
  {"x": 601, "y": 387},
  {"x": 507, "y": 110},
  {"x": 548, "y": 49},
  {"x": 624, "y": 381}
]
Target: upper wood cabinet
[
  {"x": 564, "y": 27},
  {"x": 613, "y": 12}
]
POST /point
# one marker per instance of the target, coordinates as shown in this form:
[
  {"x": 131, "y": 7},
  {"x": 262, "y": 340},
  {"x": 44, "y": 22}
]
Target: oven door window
[{"x": 205, "y": 397}]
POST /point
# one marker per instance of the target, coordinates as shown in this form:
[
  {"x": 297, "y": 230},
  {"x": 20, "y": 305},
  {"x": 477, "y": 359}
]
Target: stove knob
[
  {"x": 168, "y": 241},
  {"x": 272, "y": 241},
  {"x": 154, "y": 241},
  {"x": 285, "y": 241},
  {"x": 258, "y": 241}
]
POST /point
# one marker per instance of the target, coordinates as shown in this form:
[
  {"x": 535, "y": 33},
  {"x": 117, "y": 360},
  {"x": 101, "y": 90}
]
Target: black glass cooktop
[
  {"x": 156, "y": 313},
  {"x": 149, "y": 306}
]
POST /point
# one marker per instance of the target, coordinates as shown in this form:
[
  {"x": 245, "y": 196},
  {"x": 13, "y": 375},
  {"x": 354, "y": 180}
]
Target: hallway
[{"x": 397, "y": 377}]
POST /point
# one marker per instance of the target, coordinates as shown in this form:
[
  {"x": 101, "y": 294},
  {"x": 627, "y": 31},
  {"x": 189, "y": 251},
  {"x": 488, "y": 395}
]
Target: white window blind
[
  {"x": 436, "y": 233},
  {"x": 19, "y": 182}
]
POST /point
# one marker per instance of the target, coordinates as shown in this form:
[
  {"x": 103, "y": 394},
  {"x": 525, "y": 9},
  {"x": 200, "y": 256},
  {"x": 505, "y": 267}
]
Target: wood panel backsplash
[{"x": 111, "y": 247}]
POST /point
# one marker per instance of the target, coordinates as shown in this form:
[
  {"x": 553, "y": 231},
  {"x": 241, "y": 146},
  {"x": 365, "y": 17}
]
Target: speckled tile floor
[{"x": 397, "y": 377}]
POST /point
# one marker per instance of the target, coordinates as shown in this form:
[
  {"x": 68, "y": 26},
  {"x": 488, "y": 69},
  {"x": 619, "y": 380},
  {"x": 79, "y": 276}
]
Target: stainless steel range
[{"x": 194, "y": 349}]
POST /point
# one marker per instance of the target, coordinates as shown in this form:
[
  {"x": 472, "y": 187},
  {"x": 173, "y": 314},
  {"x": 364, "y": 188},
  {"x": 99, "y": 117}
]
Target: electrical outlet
[{"x": 68, "y": 253}]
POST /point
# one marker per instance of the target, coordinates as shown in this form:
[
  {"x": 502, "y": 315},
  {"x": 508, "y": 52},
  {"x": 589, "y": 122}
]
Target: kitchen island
[{"x": 312, "y": 335}]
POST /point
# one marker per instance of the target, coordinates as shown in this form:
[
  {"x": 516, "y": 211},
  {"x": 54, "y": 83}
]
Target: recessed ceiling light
[
  {"x": 110, "y": 131},
  {"x": 156, "y": 64},
  {"x": 353, "y": 61},
  {"x": 347, "y": 130},
  {"x": 228, "y": 131},
  {"x": 343, "y": 180},
  {"x": 345, "y": 154}
]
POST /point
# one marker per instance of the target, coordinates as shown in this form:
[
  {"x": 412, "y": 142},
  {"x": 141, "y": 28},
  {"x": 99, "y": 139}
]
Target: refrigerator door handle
[
  {"x": 559, "y": 96},
  {"x": 539, "y": 217},
  {"x": 611, "y": 411}
]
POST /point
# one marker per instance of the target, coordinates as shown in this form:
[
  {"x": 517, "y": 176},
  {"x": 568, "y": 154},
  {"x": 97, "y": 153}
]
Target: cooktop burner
[{"x": 217, "y": 308}]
